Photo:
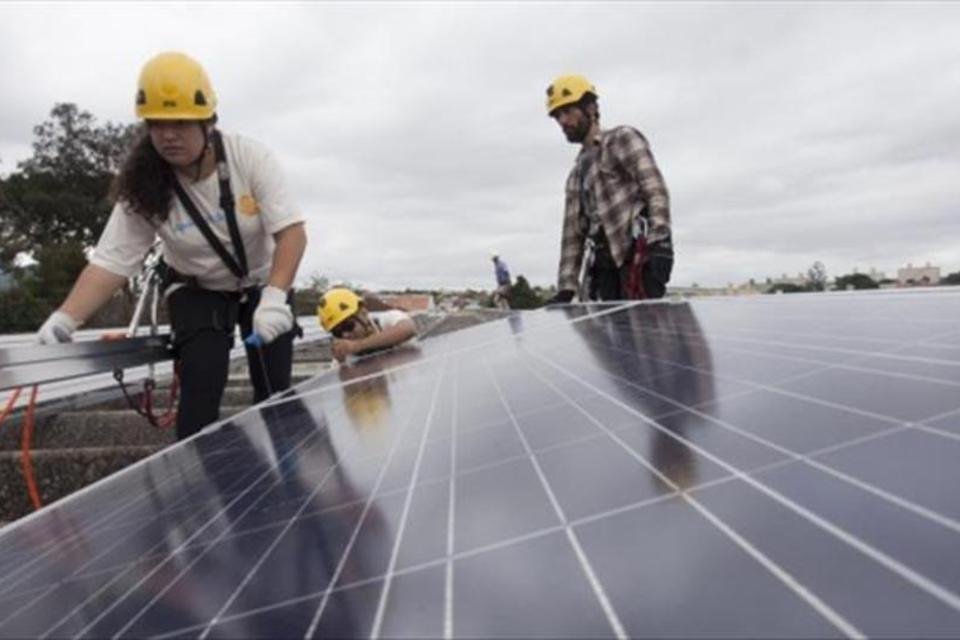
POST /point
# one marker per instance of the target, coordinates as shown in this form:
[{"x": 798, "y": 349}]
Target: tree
[
  {"x": 22, "y": 311},
  {"x": 54, "y": 206},
  {"x": 522, "y": 296},
  {"x": 785, "y": 287},
  {"x": 60, "y": 193},
  {"x": 856, "y": 281},
  {"x": 817, "y": 276},
  {"x": 951, "y": 278}
]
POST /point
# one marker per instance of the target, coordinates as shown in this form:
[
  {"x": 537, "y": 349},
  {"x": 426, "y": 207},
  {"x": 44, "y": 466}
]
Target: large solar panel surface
[{"x": 780, "y": 466}]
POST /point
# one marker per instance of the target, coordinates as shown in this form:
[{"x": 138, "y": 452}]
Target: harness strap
[{"x": 238, "y": 265}]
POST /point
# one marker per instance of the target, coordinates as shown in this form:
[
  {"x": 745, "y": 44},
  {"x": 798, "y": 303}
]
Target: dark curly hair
[{"x": 145, "y": 181}]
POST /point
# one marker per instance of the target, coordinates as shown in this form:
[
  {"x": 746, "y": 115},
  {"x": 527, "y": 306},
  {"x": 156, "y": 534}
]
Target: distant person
[
  {"x": 501, "y": 296},
  {"x": 232, "y": 240},
  {"x": 343, "y": 313},
  {"x": 616, "y": 225}
]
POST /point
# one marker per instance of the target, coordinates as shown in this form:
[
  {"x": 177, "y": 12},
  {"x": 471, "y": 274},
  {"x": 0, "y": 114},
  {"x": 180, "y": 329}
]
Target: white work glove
[
  {"x": 273, "y": 316},
  {"x": 59, "y": 327}
]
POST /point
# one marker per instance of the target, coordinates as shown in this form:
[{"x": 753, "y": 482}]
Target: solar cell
[{"x": 780, "y": 466}]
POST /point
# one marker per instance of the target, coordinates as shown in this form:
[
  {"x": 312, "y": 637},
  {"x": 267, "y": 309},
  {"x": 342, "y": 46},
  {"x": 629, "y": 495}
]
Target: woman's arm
[
  {"x": 389, "y": 337},
  {"x": 92, "y": 290},
  {"x": 291, "y": 243}
]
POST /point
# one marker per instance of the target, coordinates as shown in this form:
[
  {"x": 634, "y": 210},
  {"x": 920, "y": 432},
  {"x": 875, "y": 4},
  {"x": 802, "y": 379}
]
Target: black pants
[
  {"x": 203, "y": 324},
  {"x": 609, "y": 282}
]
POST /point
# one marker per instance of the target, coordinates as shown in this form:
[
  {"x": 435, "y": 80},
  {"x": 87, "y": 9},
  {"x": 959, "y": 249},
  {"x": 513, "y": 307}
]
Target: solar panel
[{"x": 774, "y": 466}]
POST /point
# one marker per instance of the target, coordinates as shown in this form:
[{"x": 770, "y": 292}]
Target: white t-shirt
[
  {"x": 263, "y": 207},
  {"x": 389, "y": 318}
]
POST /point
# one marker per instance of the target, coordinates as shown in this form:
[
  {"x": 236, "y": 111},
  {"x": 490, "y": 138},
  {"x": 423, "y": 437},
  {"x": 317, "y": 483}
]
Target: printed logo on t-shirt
[
  {"x": 247, "y": 205},
  {"x": 180, "y": 227}
]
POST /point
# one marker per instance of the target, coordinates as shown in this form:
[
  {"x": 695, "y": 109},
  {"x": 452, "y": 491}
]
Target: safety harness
[{"x": 238, "y": 264}]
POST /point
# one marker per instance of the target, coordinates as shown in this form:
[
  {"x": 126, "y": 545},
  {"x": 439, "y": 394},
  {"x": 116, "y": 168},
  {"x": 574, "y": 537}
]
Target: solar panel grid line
[
  {"x": 818, "y": 318},
  {"x": 512, "y": 395},
  {"x": 860, "y": 354},
  {"x": 78, "y": 573},
  {"x": 807, "y": 595},
  {"x": 850, "y": 367},
  {"x": 939, "y": 416},
  {"x": 103, "y": 522},
  {"x": 243, "y": 583},
  {"x": 817, "y": 336},
  {"x": 833, "y": 297},
  {"x": 835, "y": 365},
  {"x": 917, "y": 509},
  {"x": 304, "y": 393},
  {"x": 540, "y": 533},
  {"x": 786, "y": 392},
  {"x": 128, "y": 470},
  {"x": 408, "y": 499},
  {"x": 897, "y": 314},
  {"x": 544, "y": 408},
  {"x": 315, "y": 620},
  {"x": 819, "y": 605},
  {"x": 451, "y": 511},
  {"x": 937, "y": 432},
  {"x": 599, "y": 591},
  {"x": 765, "y": 387},
  {"x": 57, "y": 545},
  {"x": 91, "y": 561},
  {"x": 173, "y": 554},
  {"x": 918, "y": 580},
  {"x": 845, "y": 338},
  {"x": 589, "y": 518}
]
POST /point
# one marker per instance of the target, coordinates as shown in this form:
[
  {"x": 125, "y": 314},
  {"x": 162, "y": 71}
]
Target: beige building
[
  {"x": 409, "y": 302},
  {"x": 911, "y": 276}
]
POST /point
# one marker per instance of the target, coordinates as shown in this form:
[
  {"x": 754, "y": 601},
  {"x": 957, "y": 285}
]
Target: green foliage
[
  {"x": 522, "y": 296},
  {"x": 318, "y": 282},
  {"x": 817, "y": 275},
  {"x": 60, "y": 193},
  {"x": 856, "y": 281},
  {"x": 786, "y": 287},
  {"x": 53, "y": 207},
  {"x": 951, "y": 278},
  {"x": 22, "y": 311}
]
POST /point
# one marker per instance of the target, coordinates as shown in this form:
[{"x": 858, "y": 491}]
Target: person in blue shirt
[{"x": 501, "y": 297}]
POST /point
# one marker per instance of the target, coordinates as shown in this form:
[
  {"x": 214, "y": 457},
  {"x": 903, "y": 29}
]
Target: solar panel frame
[{"x": 446, "y": 521}]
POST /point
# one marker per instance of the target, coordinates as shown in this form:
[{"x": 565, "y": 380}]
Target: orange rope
[
  {"x": 25, "y": 462},
  {"x": 6, "y": 409},
  {"x": 169, "y": 417}
]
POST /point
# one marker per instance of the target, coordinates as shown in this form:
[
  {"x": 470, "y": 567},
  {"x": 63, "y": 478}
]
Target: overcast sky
[{"x": 416, "y": 142}]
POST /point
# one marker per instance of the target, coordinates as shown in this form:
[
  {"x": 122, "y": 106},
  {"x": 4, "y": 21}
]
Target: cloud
[{"x": 415, "y": 138}]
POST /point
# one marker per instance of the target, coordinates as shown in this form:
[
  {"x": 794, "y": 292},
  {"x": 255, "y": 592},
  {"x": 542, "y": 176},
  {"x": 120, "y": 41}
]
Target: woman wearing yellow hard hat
[
  {"x": 232, "y": 240},
  {"x": 343, "y": 313}
]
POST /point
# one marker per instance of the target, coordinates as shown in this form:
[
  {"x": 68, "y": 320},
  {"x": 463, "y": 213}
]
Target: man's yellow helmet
[
  {"x": 335, "y": 306},
  {"x": 173, "y": 86},
  {"x": 567, "y": 90}
]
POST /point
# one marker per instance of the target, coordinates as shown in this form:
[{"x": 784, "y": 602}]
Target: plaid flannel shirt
[{"x": 626, "y": 182}]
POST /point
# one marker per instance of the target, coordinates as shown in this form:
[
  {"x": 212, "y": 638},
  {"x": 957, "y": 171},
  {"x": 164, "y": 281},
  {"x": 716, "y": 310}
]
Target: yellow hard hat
[
  {"x": 173, "y": 86},
  {"x": 567, "y": 90},
  {"x": 335, "y": 306}
]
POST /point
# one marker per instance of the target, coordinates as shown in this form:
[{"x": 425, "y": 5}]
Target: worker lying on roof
[{"x": 355, "y": 331}]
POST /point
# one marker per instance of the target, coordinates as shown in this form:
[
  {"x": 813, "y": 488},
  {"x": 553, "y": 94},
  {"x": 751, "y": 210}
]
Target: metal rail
[{"x": 37, "y": 364}]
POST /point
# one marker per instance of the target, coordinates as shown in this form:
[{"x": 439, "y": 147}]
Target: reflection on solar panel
[{"x": 784, "y": 466}]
